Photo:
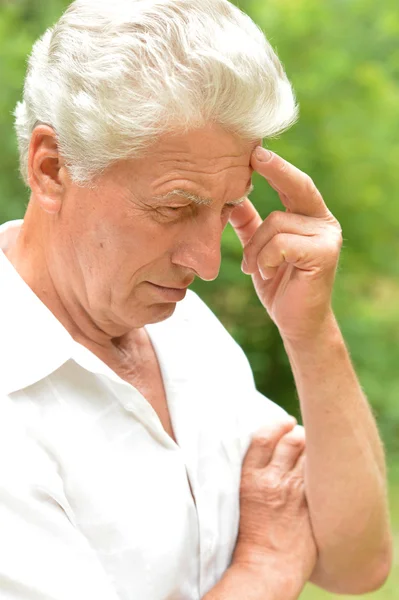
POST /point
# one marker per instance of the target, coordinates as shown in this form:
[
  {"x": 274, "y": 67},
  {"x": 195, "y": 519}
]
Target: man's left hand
[{"x": 292, "y": 255}]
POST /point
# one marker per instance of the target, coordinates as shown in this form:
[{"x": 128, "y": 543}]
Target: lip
[{"x": 171, "y": 294}]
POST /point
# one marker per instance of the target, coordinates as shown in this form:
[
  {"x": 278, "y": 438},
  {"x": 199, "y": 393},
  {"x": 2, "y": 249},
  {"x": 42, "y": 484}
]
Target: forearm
[
  {"x": 345, "y": 469},
  {"x": 244, "y": 583}
]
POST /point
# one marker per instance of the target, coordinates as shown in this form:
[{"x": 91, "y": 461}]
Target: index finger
[{"x": 297, "y": 190}]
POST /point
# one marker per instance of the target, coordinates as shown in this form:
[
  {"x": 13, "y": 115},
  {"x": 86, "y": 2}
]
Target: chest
[
  {"x": 129, "y": 490},
  {"x": 145, "y": 376}
]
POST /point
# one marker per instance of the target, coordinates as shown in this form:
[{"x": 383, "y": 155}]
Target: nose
[{"x": 199, "y": 249}]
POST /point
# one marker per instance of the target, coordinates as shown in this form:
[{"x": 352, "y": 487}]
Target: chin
[{"x": 159, "y": 312}]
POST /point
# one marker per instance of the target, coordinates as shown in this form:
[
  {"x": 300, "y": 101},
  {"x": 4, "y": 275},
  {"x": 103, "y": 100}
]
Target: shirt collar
[{"x": 33, "y": 343}]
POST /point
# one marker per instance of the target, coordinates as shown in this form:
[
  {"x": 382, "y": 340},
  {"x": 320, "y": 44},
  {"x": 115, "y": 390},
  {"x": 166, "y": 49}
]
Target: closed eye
[
  {"x": 175, "y": 208},
  {"x": 235, "y": 204}
]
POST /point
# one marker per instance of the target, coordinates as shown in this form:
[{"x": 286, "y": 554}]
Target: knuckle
[
  {"x": 339, "y": 238},
  {"x": 271, "y": 481},
  {"x": 261, "y": 441},
  {"x": 332, "y": 247},
  {"x": 274, "y": 219},
  {"x": 299, "y": 433},
  {"x": 282, "y": 167},
  {"x": 294, "y": 440},
  {"x": 279, "y": 238},
  {"x": 296, "y": 484},
  {"x": 267, "y": 437},
  {"x": 309, "y": 185},
  {"x": 252, "y": 486},
  {"x": 333, "y": 222},
  {"x": 274, "y": 250}
]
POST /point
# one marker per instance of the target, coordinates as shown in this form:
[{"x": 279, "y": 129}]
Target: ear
[{"x": 46, "y": 170}]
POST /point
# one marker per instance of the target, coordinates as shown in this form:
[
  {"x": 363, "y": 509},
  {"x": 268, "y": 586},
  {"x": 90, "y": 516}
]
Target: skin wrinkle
[
  {"x": 207, "y": 172},
  {"x": 107, "y": 297},
  {"x": 200, "y": 200},
  {"x": 197, "y": 171},
  {"x": 200, "y": 178}
]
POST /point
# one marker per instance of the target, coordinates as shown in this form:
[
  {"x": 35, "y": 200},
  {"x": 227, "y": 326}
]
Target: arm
[
  {"x": 292, "y": 257},
  {"x": 246, "y": 583},
  {"x": 345, "y": 480}
]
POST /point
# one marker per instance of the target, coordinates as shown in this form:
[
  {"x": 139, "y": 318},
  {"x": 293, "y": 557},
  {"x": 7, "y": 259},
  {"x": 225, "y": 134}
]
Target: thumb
[{"x": 245, "y": 221}]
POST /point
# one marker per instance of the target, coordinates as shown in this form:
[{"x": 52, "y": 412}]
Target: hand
[
  {"x": 275, "y": 533},
  {"x": 292, "y": 255}
]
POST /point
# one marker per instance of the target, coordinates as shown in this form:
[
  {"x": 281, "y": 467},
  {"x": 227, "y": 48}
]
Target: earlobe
[{"x": 50, "y": 204}]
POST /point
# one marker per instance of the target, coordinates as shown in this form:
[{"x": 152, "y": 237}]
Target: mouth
[
  {"x": 172, "y": 294},
  {"x": 169, "y": 287}
]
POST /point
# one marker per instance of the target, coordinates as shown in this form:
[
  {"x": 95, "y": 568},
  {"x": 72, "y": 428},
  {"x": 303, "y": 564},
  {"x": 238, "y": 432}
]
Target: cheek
[{"x": 130, "y": 246}]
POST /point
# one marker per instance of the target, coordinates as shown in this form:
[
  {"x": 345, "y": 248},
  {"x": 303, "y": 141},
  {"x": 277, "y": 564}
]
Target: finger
[
  {"x": 245, "y": 221},
  {"x": 299, "y": 467},
  {"x": 264, "y": 441},
  {"x": 288, "y": 450},
  {"x": 296, "y": 189},
  {"x": 299, "y": 473},
  {"x": 302, "y": 252},
  {"x": 278, "y": 222}
]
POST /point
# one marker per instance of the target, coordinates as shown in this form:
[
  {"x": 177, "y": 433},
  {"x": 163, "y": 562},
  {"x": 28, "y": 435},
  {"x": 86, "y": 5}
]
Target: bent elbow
[
  {"x": 363, "y": 579},
  {"x": 379, "y": 575}
]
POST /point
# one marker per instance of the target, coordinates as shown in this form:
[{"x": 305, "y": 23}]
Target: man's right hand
[{"x": 275, "y": 535}]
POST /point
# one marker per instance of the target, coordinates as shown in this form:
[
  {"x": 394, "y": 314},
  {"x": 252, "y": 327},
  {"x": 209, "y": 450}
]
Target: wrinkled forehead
[
  {"x": 209, "y": 147},
  {"x": 207, "y": 161}
]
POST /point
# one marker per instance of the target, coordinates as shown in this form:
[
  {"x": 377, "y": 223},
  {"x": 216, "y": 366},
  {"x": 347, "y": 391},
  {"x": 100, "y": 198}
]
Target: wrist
[
  {"x": 271, "y": 578},
  {"x": 327, "y": 334}
]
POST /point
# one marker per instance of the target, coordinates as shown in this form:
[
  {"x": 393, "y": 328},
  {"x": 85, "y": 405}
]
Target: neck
[{"x": 31, "y": 256}]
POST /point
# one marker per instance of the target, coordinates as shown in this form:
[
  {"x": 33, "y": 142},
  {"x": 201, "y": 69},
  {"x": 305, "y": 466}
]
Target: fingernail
[
  {"x": 264, "y": 277},
  {"x": 244, "y": 266},
  {"x": 263, "y": 155}
]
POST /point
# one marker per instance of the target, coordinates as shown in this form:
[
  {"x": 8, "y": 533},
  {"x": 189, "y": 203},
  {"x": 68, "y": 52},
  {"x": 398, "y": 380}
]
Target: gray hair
[{"x": 113, "y": 75}]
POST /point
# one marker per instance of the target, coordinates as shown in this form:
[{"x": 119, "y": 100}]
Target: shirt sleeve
[
  {"x": 252, "y": 409},
  {"x": 43, "y": 556},
  {"x": 259, "y": 411}
]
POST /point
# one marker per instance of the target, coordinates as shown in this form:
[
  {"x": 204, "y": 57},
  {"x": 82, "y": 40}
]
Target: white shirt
[{"x": 95, "y": 502}]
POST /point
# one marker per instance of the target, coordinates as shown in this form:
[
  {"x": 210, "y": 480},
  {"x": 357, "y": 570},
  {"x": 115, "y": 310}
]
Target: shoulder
[
  {"x": 222, "y": 353},
  {"x": 227, "y": 367}
]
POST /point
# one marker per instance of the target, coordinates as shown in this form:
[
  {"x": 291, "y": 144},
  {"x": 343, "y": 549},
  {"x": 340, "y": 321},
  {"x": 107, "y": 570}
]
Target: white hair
[{"x": 113, "y": 75}]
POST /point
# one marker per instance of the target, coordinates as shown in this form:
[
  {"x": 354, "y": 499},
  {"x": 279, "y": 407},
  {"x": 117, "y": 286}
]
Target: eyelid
[
  {"x": 235, "y": 204},
  {"x": 177, "y": 208}
]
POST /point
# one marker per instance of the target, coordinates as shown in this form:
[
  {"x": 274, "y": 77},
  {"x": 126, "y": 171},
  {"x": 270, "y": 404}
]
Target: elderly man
[{"x": 128, "y": 409}]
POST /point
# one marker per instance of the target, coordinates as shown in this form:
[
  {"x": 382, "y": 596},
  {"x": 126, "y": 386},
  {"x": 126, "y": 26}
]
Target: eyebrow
[{"x": 199, "y": 200}]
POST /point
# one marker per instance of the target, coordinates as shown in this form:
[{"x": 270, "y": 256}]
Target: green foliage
[{"x": 343, "y": 59}]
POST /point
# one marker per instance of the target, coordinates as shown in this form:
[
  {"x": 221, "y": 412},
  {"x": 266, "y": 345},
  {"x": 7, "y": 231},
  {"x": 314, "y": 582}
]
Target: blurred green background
[{"x": 343, "y": 59}]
